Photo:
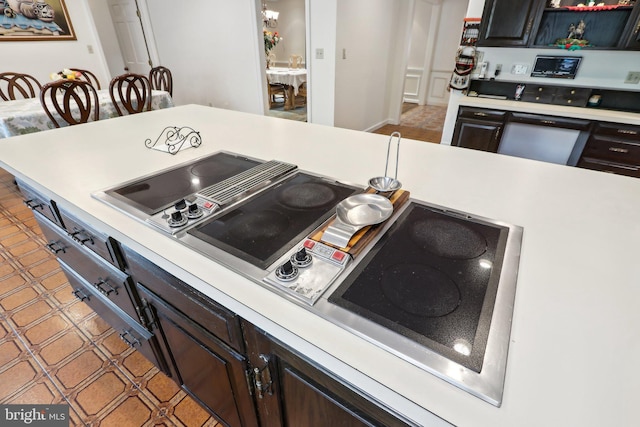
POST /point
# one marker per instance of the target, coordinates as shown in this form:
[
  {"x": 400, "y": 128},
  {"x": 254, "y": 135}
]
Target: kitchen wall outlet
[
  {"x": 89, "y": 48},
  {"x": 633, "y": 77},
  {"x": 320, "y": 53},
  {"x": 519, "y": 69}
]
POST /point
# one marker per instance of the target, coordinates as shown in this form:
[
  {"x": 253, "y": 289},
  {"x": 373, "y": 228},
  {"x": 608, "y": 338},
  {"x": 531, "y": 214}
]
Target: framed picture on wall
[{"x": 34, "y": 20}]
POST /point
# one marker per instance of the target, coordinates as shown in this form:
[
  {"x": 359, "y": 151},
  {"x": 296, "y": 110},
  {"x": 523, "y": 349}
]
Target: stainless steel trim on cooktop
[{"x": 229, "y": 189}]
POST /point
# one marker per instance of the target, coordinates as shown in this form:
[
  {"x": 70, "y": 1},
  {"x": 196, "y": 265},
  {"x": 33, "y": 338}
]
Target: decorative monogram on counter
[{"x": 172, "y": 139}]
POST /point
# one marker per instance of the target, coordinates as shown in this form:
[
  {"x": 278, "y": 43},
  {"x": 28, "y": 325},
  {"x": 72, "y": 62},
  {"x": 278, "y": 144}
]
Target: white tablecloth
[
  {"x": 27, "y": 115},
  {"x": 293, "y": 77}
]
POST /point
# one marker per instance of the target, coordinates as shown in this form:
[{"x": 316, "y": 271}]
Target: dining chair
[
  {"x": 301, "y": 97},
  {"x": 88, "y": 76},
  {"x": 161, "y": 79},
  {"x": 295, "y": 61},
  {"x": 130, "y": 93},
  {"x": 18, "y": 86},
  {"x": 72, "y": 101}
]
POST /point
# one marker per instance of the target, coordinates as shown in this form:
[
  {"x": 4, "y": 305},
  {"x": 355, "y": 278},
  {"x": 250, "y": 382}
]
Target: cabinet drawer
[
  {"x": 538, "y": 94},
  {"x": 210, "y": 315},
  {"x": 573, "y": 97},
  {"x": 628, "y": 132},
  {"x": 104, "y": 278},
  {"x": 616, "y": 150},
  {"x": 38, "y": 203},
  {"x": 481, "y": 114},
  {"x": 550, "y": 121},
  {"x": 604, "y": 166},
  {"x": 130, "y": 332},
  {"x": 99, "y": 243}
]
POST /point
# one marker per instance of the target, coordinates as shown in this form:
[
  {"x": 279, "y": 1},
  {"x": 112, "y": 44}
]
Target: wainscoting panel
[
  {"x": 438, "y": 88},
  {"x": 412, "y": 80}
]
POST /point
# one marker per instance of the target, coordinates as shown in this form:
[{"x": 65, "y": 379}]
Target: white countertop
[
  {"x": 553, "y": 110},
  {"x": 574, "y": 345}
]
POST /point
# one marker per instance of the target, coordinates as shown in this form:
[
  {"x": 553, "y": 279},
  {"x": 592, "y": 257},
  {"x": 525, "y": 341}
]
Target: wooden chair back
[
  {"x": 130, "y": 93},
  {"x": 161, "y": 79},
  {"x": 18, "y": 86},
  {"x": 295, "y": 61},
  {"x": 70, "y": 101},
  {"x": 88, "y": 76}
]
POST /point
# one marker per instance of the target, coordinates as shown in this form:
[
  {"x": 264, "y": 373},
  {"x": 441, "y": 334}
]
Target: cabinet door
[
  {"x": 509, "y": 23},
  {"x": 209, "y": 370},
  {"x": 632, "y": 39},
  {"x": 292, "y": 392},
  {"x": 477, "y": 134}
]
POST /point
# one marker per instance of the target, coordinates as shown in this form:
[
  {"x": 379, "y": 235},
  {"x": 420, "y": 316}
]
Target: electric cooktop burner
[
  {"x": 152, "y": 194},
  {"x": 263, "y": 228},
  {"x": 432, "y": 277}
]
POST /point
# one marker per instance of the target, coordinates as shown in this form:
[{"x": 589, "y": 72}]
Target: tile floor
[{"x": 55, "y": 349}]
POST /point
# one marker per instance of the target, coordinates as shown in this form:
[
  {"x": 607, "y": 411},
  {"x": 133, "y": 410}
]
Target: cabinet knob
[{"x": 478, "y": 114}]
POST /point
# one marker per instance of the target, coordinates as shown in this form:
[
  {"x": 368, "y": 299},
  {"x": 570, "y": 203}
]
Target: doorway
[{"x": 286, "y": 69}]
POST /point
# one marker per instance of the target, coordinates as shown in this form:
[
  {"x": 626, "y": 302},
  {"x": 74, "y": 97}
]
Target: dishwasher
[{"x": 546, "y": 138}]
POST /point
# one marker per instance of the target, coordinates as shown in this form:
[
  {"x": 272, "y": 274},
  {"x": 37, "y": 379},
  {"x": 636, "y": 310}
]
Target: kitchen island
[{"x": 573, "y": 347}]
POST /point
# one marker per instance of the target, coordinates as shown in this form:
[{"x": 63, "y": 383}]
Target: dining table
[
  {"x": 291, "y": 78},
  {"x": 24, "y": 116}
]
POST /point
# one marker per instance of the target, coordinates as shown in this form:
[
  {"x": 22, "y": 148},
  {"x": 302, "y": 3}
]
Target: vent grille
[{"x": 254, "y": 178}]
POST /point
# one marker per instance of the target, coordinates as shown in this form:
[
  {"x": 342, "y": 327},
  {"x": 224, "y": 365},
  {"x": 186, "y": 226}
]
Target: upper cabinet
[
  {"x": 612, "y": 24},
  {"x": 509, "y": 23}
]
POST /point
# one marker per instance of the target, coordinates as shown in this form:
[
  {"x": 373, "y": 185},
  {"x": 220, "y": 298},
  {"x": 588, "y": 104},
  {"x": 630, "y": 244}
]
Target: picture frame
[{"x": 35, "y": 20}]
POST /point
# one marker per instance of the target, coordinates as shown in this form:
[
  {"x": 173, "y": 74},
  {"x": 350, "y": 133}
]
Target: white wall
[
  {"x": 599, "y": 68},
  {"x": 41, "y": 58},
  {"x": 213, "y": 56},
  {"x": 365, "y": 50}
]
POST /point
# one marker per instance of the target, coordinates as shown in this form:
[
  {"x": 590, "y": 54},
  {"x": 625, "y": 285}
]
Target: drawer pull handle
[
  {"x": 548, "y": 122},
  {"x": 32, "y": 205},
  {"x": 129, "y": 339},
  {"x": 104, "y": 287},
  {"x": 478, "y": 114},
  {"x": 81, "y": 238},
  {"x": 55, "y": 247},
  {"x": 618, "y": 150},
  {"x": 628, "y": 132},
  {"x": 79, "y": 293}
]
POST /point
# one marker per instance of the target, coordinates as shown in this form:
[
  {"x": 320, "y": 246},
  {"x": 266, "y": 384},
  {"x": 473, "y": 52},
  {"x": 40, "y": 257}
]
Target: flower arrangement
[
  {"x": 270, "y": 40},
  {"x": 65, "y": 74}
]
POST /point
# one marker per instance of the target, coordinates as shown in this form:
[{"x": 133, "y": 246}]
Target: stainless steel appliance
[{"x": 430, "y": 285}]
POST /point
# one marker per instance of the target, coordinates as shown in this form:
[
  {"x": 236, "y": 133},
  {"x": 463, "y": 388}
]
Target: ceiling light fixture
[{"x": 269, "y": 17}]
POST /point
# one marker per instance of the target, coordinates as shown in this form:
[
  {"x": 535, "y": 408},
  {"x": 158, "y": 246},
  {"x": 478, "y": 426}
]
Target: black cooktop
[
  {"x": 266, "y": 226},
  {"x": 433, "y": 278},
  {"x": 152, "y": 194}
]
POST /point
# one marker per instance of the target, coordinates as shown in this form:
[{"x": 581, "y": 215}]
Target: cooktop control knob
[
  {"x": 177, "y": 219},
  {"x": 287, "y": 272},
  {"x": 181, "y": 205},
  {"x": 301, "y": 258},
  {"x": 194, "y": 211}
]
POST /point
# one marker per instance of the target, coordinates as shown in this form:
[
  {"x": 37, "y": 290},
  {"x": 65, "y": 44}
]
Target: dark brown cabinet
[
  {"x": 292, "y": 392},
  {"x": 201, "y": 340},
  {"x": 532, "y": 24},
  {"x": 205, "y": 367},
  {"x": 613, "y": 148},
  {"x": 90, "y": 260},
  {"x": 509, "y": 23},
  {"x": 632, "y": 33},
  {"x": 479, "y": 129}
]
